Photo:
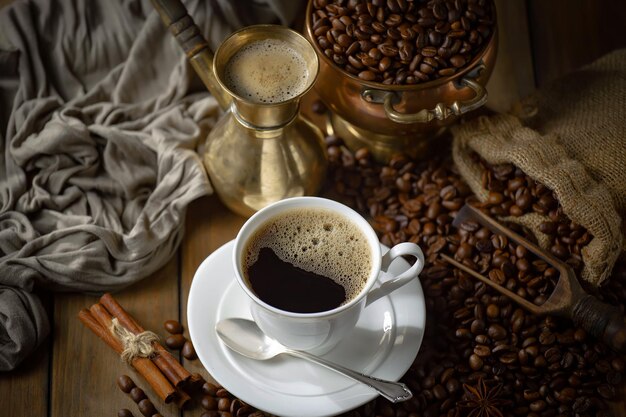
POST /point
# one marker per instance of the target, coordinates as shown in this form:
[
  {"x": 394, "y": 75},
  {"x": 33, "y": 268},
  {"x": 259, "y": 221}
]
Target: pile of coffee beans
[
  {"x": 507, "y": 264},
  {"x": 218, "y": 402},
  {"x": 146, "y": 407},
  {"x": 513, "y": 193},
  {"x": 177, "y": 341},
  {"x": 543, "y": 366},
  {"x": 402, "y": 41}
]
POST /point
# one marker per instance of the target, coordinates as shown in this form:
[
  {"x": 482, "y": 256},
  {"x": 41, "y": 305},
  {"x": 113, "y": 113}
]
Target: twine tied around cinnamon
[{"x": 135, "y": 345}]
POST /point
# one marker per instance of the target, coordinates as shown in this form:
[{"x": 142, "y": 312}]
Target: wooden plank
[
  {"x": 85, "y": 369},
  {"x": 512, "y": 77},
  {"x": 209, "y": 225},
  {"x": 566, "y": 34},
  {"x": 25, "y": 390}
]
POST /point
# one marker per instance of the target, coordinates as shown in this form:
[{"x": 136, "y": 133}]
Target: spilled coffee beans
[{"x": 544, "y": 366}]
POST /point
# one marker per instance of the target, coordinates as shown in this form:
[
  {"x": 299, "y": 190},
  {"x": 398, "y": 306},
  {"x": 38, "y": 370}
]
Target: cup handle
[{"x": 398, "y": 281}]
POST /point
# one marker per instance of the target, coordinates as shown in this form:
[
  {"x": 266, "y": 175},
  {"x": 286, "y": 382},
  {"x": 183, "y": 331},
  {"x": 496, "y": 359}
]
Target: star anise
[{"x": 481, "y": 401}]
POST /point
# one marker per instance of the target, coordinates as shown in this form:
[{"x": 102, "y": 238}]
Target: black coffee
[
  {"x": 307, "y": 261},
  {"x": 290, "y": 288}
]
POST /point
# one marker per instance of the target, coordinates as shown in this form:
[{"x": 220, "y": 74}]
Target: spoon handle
[{"x": 393, "y": 391}]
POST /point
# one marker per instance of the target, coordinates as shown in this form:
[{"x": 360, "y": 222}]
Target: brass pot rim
[
  {"x": 261, "y": 27},
  {"x": 404, "y": 87}
]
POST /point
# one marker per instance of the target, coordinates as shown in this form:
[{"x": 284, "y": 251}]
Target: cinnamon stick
[
  {"x": 92, "y": 324},
  {"x": 170, "y": 367},
  {"x": 98, "y": 321},
  {"x": 181, "y": 398}
]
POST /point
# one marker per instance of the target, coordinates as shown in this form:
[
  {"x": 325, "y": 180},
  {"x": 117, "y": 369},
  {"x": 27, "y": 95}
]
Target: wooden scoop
[{"x": 568, "y": 298}]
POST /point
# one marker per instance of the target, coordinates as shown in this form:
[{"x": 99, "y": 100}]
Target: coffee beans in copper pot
[{"x": 402, "y": 42}]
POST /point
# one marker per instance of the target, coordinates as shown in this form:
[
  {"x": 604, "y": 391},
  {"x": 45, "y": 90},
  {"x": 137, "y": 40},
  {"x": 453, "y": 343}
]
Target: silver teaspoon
[{"x": 246, "y": 338}]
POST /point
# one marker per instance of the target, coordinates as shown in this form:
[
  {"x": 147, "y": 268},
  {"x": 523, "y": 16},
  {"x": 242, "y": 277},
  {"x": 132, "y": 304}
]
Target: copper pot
[{"x": 399, "y": 118}]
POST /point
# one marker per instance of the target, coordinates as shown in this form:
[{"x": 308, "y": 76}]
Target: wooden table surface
[{"x": 73, "y": 373}]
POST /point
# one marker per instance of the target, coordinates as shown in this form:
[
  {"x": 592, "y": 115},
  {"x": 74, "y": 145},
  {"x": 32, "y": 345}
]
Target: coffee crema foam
[
  {"x": 318, "y": 241},
  {"x": 267, "y": 71}
]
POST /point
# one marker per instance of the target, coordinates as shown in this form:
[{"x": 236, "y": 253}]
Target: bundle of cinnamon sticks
[{"x": 162, "y": 371}]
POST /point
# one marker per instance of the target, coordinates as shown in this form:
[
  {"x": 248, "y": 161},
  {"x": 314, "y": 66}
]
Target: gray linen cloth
[{"x": 100, "y": 118}]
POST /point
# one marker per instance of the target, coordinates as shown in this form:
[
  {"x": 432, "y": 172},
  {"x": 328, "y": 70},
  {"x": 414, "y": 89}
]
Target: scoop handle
[{"x": 601, "y": 320}]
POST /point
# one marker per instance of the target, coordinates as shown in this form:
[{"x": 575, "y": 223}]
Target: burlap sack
[{"x": 574, "y": 143}]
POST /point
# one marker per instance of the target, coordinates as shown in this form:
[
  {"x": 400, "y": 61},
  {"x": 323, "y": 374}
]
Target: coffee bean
[
  {"x": 173, "y": 327},
  {"x": 367, "y": 75},
  {"x": 567, "y": 360},
  {"x": 429, "y": 51},
  {"x": 618, "y": 364},
  {"x": 124, "y": 413},
  {"x": 222, "y": 393},
  {"x": 538, "y": 406},
  {"x": 581, "y": 405},
  {"x": 475, "y": 362},
  {"x": 463, "y": 333},
  {"x": 457, "y": 60},
  {"x": 209, "y": 389},
  {"x": 125, "y": 383},
  {"x": 614, "y": 377},
  {"x": 235, "y": 406},
  {"x": 606, "y": 391},
  {"x": 477, "y": 326},
  {"x": 146, "y": 407},
  {"x": 493, "y": 311},
  {"x": 566, "y": 395},
  {"x": 208, "y": 402},
  {"x": 440, "y": 392},
  {"x": 188, "y": 351},
  {"x": 223, "y": 404},
  {"x": 482, "y": 350},
  {"x": 464, "y": 251},
  {"x": 175, "y": 341},
  {"x": 497, "y": 276},
  {"x": 559, "y": 251},
  {"x": 496, "y": 331},
  {"x": 137, "y": 394}
]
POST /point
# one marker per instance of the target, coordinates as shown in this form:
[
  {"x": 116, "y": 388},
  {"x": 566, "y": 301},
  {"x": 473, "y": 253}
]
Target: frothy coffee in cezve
[
  {"x": 319, "y": 241},
  {"x": 267, "y": 71}
]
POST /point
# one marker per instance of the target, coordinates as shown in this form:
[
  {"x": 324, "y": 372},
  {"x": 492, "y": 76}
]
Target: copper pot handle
[{"x": 440, "y": 112}]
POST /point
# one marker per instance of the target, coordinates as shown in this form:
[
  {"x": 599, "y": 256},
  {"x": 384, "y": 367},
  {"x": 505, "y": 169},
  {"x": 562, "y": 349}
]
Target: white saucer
[{"x": 383, "y": 344}]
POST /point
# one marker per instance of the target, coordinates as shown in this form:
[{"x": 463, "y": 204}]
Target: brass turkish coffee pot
[{"x": 257, "y": 153}]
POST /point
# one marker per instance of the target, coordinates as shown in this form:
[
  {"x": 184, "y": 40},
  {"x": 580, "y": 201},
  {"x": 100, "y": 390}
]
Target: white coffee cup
[{"x": 319, "y": 332}]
